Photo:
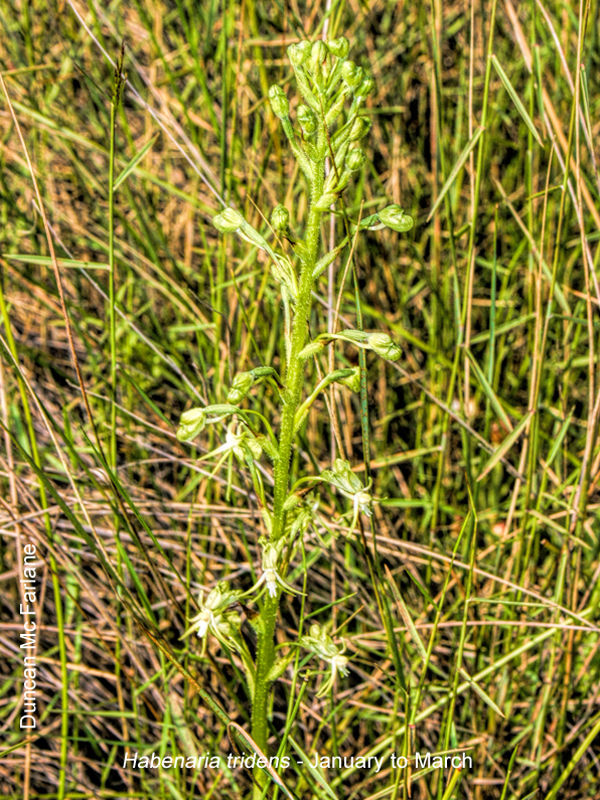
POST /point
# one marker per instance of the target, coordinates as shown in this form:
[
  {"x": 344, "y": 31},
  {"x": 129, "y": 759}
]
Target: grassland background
[{"x": 494, "y": 299}]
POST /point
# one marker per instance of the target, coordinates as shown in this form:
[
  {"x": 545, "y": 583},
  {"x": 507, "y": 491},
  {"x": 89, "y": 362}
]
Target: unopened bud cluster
[{"x": 330, "y": 84}]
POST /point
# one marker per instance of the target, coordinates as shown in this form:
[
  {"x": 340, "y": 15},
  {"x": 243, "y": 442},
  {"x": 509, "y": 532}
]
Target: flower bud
[
  {"x": 351, "y": 74},
  {"x": 315, "y": 630},
  {"x": 268, "y": 446},
  {"x": 318, "y": 56},
  {"x": 366, "y": 87},
  {"x": 240, "y": 386},
  {"x": 298, "y": 53},
  {"x": 395, "y": 218},
  {"x": 311, "y": 349},
  {"x": 279, "y": 102},
  {"x": 352, "y": 381},
  {"x": 228, "y": 221},
  {"x": 360, "y": 127},
  {"x": 325, "y": 201},
  {"x": 280, "y": 218},
  {"x": 307, "y": 119},
  {"x": 292, "y": 501},
  {"x": 339, "y": 47},
  {"x": 381, "y": 344},
  {"x": 192, "y": 422},
  {"x": 355, "y": 160}
]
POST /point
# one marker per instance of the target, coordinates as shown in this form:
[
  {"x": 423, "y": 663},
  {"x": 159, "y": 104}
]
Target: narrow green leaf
[
  {"x": 46, "y": 261},
  {"x": 515, "y": 98},
  {"x": 482, "y": 694},
  {"x": 489, "y": 392},
  {"x": 277, "y": 780},
  {"x": 134, "y": 162},
  {"x": 500, "y": 329},
  {"x": 506, "y": 445},
  {"x": 559, "y": 439},
  {"x": 306, "y": 763},
  {"x": 452, "y": 784},
  {"x": 455, "y": 170}
]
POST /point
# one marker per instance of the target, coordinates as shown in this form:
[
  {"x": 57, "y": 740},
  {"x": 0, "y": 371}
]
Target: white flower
[
  {"x": 361, "y": 501},
  {"x": 239, "y": 441},
  {"x": 339, "y": 663},
  {"x": 320, "y": 643},
  {"x": 233, "y": 441},
  {"x": 349, "y": 484},
  {"x": 270, "y": 575},
  {"x": 216, "y": 615}
]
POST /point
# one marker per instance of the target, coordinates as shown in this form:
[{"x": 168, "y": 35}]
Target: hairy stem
[{"x": 294, "y": 380}]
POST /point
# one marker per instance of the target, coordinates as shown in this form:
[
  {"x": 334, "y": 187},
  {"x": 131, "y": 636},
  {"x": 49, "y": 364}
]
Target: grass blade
[{"x": 516, "y": 100}]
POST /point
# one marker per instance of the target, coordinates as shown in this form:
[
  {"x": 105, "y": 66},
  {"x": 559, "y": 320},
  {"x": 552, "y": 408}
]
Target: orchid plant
[{"x": 324, "y": 135}]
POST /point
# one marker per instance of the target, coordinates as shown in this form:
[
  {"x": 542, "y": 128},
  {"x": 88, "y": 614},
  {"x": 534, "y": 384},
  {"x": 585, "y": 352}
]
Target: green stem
[{"x": 294, "y": 380}]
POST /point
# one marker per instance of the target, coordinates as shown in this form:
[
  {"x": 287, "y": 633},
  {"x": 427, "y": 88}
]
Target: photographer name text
[{"x": 27, "y": 610}]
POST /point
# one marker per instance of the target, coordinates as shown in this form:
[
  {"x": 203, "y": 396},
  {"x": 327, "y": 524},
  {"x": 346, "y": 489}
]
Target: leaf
[
  {"x": 134, "y": 162},
  {"x": 455, "y": 170},
  {"x": 483, "y": 695},
  {"x": 46, "y": 261},
  {"x": 318, "y": 777},
  {"x": 515, "y": 98},
  {"x": 506, "y": 445},
  {"x": 489, "y": 392}
]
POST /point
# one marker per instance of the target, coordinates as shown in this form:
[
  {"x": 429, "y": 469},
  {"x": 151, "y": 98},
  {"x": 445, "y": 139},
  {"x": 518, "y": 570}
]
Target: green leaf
[
  {"x": 515, "y": 98},
  {"x": 134, "y": 162},
  {"x": 506, "y": 445},
  {"x": 455, "y": 170},
  {"x": 46, "y": 261},
  {"x": 489, "y": 392}
]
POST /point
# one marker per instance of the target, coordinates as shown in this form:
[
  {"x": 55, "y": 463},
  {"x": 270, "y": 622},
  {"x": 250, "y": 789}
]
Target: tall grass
[{"x": 120, "y": 305}]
